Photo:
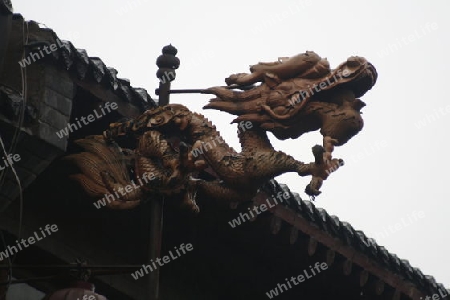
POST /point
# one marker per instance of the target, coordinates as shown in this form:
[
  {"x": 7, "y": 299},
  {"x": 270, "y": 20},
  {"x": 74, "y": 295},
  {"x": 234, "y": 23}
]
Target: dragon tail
[{"x": 103, "y": 167}]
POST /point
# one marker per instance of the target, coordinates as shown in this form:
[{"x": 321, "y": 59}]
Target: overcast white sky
[{"x": 396, "y": 167}]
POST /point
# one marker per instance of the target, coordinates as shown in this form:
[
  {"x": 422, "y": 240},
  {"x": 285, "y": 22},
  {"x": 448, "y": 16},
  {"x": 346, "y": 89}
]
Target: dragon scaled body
[{"x": 176, "y": 145}]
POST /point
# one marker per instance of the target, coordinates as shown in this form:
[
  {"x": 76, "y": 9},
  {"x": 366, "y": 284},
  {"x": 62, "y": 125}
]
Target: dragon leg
[
  {"x": 254, "y": 139},
  {"x": 262, "y": 166}
]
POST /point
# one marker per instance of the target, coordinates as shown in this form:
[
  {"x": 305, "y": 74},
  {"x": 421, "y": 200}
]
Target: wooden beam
[
  {"x": 396, "y": 295},
  {"x": 375, "y": 287},
  {"x": 155, "y": 213},
  {"x": 294, "y": 235},
  {"x": 347, "y": 251},
  {"x": 330, "y": 256},
  {"x": 379, "y": 287},
  {"x": 363, "y": 277},
  {"x": 389, "y": 293},
  {"x": 156, "y": 206},
  {"x": 250, "y": 207},
  {"x": 275, "y": 224},
  {"x": 312, "y": 246},
  {"x": 126, "y": 109},
  {"x": 347, "y": 267}
]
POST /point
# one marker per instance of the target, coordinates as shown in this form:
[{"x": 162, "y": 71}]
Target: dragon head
[{"x": 325, "y": 100}]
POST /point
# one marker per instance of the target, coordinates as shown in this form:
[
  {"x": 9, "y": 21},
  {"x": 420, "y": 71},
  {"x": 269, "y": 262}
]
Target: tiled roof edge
[
  {"x": 79, "y": 63},
  {"x": 355, "y": 238}
]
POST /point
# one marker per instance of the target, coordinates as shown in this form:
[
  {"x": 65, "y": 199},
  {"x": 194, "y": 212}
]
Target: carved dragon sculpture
[{"x": 296, "y": 95}]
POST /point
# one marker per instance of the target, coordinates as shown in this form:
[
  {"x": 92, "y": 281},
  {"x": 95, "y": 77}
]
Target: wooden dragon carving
[{"x": 296, "y": 95}]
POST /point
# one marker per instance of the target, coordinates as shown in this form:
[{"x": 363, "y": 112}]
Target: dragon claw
[{"x": 311, "y": 191}]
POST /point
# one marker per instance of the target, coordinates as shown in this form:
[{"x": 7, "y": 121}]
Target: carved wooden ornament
[{"x": 295, "y": 95}]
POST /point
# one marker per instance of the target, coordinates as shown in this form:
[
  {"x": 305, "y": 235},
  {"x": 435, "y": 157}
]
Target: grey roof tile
[{"x": 93, "y": 68}]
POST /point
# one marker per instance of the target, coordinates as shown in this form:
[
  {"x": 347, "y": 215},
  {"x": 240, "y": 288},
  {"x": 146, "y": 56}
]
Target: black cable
[{"x": 12, "y": 148}]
